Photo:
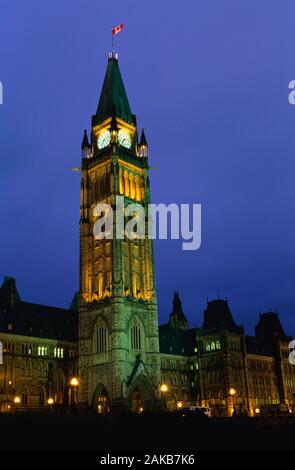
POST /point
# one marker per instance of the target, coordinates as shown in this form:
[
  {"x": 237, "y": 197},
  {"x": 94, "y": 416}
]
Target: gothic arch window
[
  {"x": 136, "y": 339},
  {"x": 100, "y": 336},
  {"x": 22, "y": 368},
  {"x": 28, "y": 369},
  {"x": 208, "y": 347},
  {"x": 218, "y": 345},
  {"x": 97, "y": 189},
  {"x": 44, "y": 370},
  {"x": 212, "y": 346},
  {"x": 126, "y": 181},
  {"x": 25, "y": 397},
  {"x": 102, "y": 187},
  {"x": 41, "y": 397}
]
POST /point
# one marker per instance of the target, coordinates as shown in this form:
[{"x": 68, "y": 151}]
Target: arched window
[
  {"x": 41, "y": 397},
  {"x": 218, "y": 345},
  {"x": 135, "y": 336},
  {"x": 212, "y": 346},
  {"x": 208, "y": 348},
  {"x": 25, "y": 397},
  {"x": 100, "y": 336},
  {"x": 44, "y": 370}
]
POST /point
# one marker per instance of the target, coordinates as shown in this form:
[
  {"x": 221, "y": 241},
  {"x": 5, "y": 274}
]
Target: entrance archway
[
  {"x": 142, "y": 396},
  {"x": 136, "y": 401},
  {"x": 101, "y": 400}
]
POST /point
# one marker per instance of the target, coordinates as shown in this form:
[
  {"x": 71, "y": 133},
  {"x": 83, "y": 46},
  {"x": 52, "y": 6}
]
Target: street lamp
[
  {"x": 50, "y": 403},
  {"x": 16, "y": 402},
  {"x": 257, "y": 411},
  {"x": 232, "y": 393},
  {"x": 179, "y": 405},
  {"x": 164, "y": 390},
  {"x": 74, "y": 383}
]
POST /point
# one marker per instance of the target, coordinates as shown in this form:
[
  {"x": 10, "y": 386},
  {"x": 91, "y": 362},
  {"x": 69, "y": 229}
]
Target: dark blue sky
[{"x": 208, "y": 79}]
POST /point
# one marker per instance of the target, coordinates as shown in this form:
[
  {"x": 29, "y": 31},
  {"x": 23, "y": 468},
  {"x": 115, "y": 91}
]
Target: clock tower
[{"x": 119, "y": 362}]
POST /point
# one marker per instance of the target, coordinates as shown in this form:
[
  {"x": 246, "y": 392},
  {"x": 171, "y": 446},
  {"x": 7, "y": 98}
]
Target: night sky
[{"x": 208, "y": 80}]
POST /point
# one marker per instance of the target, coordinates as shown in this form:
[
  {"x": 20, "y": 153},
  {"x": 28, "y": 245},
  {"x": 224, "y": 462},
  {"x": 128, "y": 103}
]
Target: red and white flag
[{"x": 117, "y": 29}]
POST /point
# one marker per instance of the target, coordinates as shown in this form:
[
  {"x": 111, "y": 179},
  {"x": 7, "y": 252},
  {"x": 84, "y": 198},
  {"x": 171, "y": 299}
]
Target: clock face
[
  {"x": 124, "y": 138},
  {"x": 104, "y": 139}
]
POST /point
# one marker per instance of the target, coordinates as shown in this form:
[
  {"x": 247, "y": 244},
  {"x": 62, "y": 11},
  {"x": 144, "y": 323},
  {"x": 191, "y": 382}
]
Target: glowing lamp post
[
  {"x": 164, "y": 390},
  {"x": 50, "y": 403},
  {"x": 16, "y": 402},
  {"x": 74, "y": 383},
  {"x": 232, "y": 393}
]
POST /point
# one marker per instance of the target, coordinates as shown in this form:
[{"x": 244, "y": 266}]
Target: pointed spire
[
  {"x": 85, "y": 142},
  {"x": 142, "y": 146},
  {"x": 143, "y": 139},
  {"x": 8, "y": 292},
  {"x": 113, "y": 95},
  {"x": 177, "y": 318}
]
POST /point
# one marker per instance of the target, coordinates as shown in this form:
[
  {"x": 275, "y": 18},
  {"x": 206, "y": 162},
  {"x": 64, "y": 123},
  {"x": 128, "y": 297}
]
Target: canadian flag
[{"x": 117, "y": 29}]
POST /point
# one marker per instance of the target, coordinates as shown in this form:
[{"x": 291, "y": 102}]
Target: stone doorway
[{"x": 101, "y": 400}]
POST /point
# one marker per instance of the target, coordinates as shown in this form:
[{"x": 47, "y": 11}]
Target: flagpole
[{"x": 112, "y": 45}]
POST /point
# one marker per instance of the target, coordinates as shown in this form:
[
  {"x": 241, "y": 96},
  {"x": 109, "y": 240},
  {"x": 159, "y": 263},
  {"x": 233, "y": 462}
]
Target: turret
[
  {"x": 177, "y": 318},
  {"x": 85, "y": 146},
  {"x": 143, "y": 145}
]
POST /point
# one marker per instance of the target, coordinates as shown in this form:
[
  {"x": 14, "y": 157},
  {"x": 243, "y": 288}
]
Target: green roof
[{"x": 113, "y": 98}]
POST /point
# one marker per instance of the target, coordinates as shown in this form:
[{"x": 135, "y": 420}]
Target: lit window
[
  {"x": 212, "y": 346},
  {"x": 54, "y": 352},
  {"x": 218, "y": 345},
  {"x": 9, "y": 326},
  {"x": 39, "y": 350},
  {"x": 208, "y": 348},
  {"x": 195, "y": 350},
  {"x": 61, "y": 353}
]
